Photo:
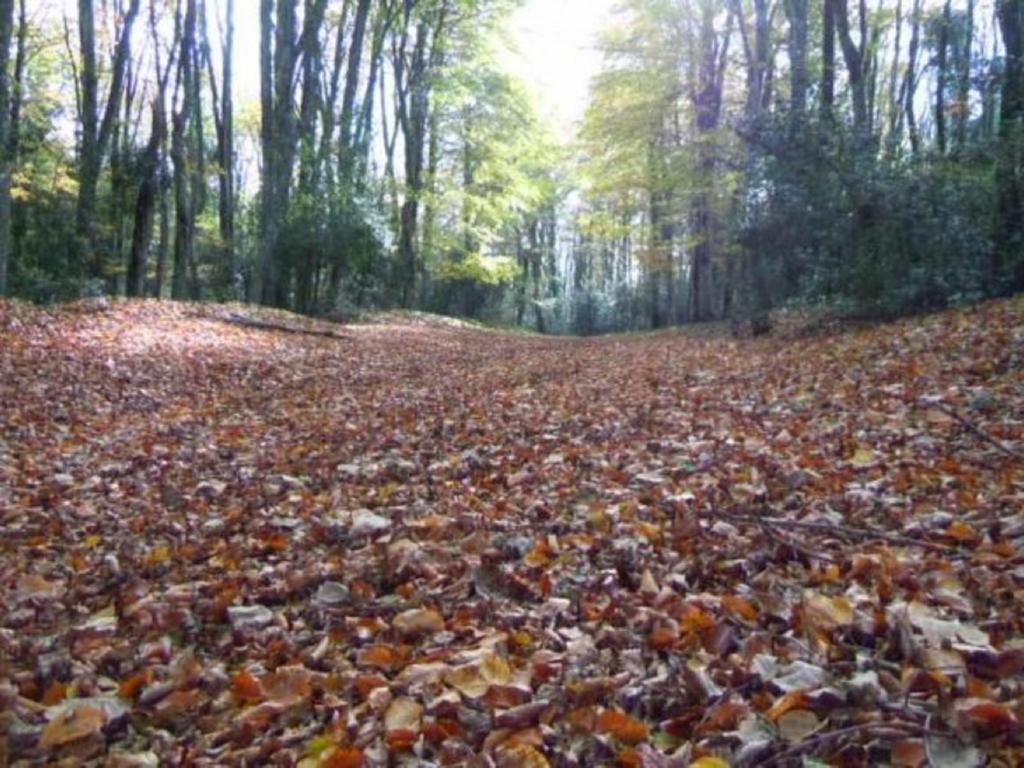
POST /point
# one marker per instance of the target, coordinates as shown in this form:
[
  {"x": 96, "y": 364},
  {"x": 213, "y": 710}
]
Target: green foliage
[{"x": 486, "y": 270}]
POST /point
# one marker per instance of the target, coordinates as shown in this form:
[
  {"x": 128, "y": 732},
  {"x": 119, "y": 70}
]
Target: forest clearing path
[{"x": 225, "y": 543}]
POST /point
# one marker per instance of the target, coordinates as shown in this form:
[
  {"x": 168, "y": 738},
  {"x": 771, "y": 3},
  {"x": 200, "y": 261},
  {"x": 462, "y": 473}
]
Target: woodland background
[{"x": 736, "y": 157}]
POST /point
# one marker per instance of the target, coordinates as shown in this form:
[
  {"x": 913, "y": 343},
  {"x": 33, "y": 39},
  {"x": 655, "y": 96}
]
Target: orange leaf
[
  {"x": 696, "y": 619},
  {"x": 962, "y": 532},
  {"x": 988, "y": 717},
  {"x": 621, "y": 726},
  {"x": 522, "y": 756},
  {"x": 401, "y": 741},
  {"x": 792, "y": 700},
  {"x": 909, "y": 754},
  {"x": 72, "y": 725},
  {"x": 380, "y": 656},
  {"x": 740, "y": 607},
  {"x": 582, "y": 718},
  {"x": 130, "y": 687},
  {"x": 662, "y": 637},
  {"x": 344, "y": 757},
  {"x": 246, "y": 687},
  {"x": 55, "y": 694},
  {"x": 367, "y": 683},
  {"x": 288, "y": 686}
]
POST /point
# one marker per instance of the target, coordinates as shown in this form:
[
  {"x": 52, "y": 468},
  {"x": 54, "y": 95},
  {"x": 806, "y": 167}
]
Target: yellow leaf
[
  {"x": 962, "y": 532},
  {"x": 863, "y": 457},
  {"x": 709, "y": 762},
  {"x": 404, "y": 714},
  {"x": 828, "y": 613}
]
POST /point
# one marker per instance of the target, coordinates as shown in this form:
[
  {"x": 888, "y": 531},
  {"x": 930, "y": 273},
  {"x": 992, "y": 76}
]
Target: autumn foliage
[{"x": 417, "y": 542}]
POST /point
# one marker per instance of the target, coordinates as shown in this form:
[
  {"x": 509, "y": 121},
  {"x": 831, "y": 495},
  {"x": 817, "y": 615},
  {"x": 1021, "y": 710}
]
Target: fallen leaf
[
  {"x": 71, "y": 725},
  {"x": 620, "y": 725},
  {"x": 416, "y": 623}
]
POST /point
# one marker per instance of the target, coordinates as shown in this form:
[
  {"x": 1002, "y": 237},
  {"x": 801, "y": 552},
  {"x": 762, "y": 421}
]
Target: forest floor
[{"x": 410, "y": 543}]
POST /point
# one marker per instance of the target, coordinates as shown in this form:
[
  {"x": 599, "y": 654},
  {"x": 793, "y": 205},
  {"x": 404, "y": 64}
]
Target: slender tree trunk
[
  {"x": 1008, "y": 269},
  {"x": 414, "y": 112},
  {"x": 164, "y": 243},
  {"x": 224, "y": 120},
  {"x": 278, "y": 46},
  {"x": 828, "y": 61},
  {"x": 854, "y": 56},
  {"x": 6, "y": 139},
  {"x": 894, "y": 105},
  {"x": 307, "y": 262},
  {"x": 910, "y": 82},
  {"x": 145, "y": 205},
  {"x": 799, "y": 81},
  {"x": 942, "y": 59},
  {"x": 96, "y": 132},
  {"x": 348, "y": 99},
  {"x": 185, "y": 204},
  {"x": 963, "y": 94},
  {"x": 707, "y": 104}
]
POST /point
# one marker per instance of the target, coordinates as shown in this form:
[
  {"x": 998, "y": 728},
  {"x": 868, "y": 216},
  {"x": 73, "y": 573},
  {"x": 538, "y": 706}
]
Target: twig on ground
[
  {"x": 842, "y": 531},
  {"x": 813, "y": 744},
  {"x": 260, "y": 325},
  {"x": 970, "y": 426}
]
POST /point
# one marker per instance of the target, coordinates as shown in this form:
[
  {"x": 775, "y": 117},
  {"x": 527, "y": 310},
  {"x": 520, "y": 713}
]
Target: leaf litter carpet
[{"x": 420, "y": 544}]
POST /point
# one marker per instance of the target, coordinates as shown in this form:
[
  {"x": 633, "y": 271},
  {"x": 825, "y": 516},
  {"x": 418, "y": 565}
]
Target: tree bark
[
  {"x": 963, "y": 92},
  {"x": 854, "y": 55},
  {"x": 145, "y": 205},
  {"x": 413, "y": 85},
  {"x": 348, "y": 99},
  {"x": 910, "y": 80},
  {"x": 279, "y": 128},
  {"x": 942, "y": 59},
  {"x": 706, "y": 96},
  {"x": 799, "y": 82},
  {"x": 6, "y": 142},
  {"x": 96, "y": 132},
  {"x": 828, "y": 61},
  {"x": 183, "y": 156},
  {"x": 1008, "y": 271}
]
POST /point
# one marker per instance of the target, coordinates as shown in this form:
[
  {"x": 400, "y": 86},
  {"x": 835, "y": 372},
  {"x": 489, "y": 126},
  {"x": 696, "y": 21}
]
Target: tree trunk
[
  {"x": 855, "y": 57},
  {"x": 278, "y": 139},
  {"x": 894, "y": 104},
  {"x": 1008, "y": 272},
  {"x": 6, "y": 139},
  {"x": 942, "y": 59},
  {"x": 706, "y": 95},
  {"x": 348, "y": 99},
  {"x": 185, "y": 203},
  {"x": 963, "y": 93},
  {"x": 799, "y": 82},
  {"x": 413, "y": 84},
  {"x": 910, "y": 81},
  {"x": 96, "y": 132},
  {"x": 224, "y": 119},
  {"x": 828, "y": 61},
  {"x": 145, "y": 206}
]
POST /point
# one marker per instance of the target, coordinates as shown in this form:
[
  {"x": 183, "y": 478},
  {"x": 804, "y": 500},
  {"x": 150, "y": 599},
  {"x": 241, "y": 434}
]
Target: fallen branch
[
  {"x": 972, "y": 427},
  {"x": 836, "y": 530},
  {"x": 812, "y": 745},
  {"x": 773, "y": 533},
  {"x": 260, "y": 325}
]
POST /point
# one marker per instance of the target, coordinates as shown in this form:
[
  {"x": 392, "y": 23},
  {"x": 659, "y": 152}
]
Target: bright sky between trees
[
  {"x": 553, "y": 49},
  {"x": 557, "y": 55}
]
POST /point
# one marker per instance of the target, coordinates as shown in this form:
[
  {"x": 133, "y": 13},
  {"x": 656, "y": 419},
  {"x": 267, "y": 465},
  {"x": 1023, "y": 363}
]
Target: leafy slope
[{"x": 417, "y": 543}]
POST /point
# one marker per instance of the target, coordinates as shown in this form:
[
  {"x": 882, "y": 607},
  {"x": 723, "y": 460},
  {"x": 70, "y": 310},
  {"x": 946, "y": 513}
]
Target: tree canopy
[{"x": 735, "y": 157}]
